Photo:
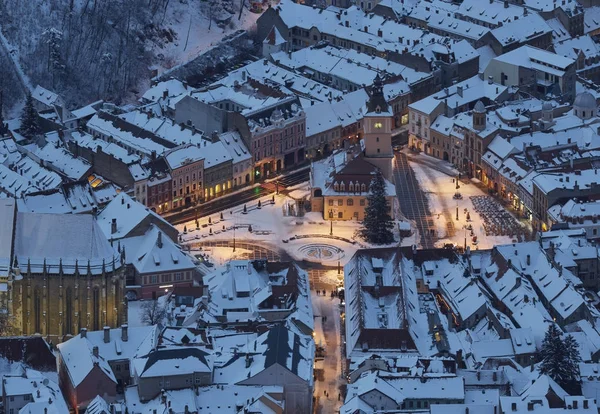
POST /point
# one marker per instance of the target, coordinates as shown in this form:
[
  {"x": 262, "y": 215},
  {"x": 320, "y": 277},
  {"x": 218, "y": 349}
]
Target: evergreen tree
[
  {"x": 560, "y": 358},
  {"x": 29, "y": 120},
  {"x": 377, "y": 224}
]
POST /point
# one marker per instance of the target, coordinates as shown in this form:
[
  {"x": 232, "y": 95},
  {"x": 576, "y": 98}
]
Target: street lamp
[
  {"x": 331, "y": 228},
  {"x": 457, "y": 210},
  {"x": 277, "y": 187}
]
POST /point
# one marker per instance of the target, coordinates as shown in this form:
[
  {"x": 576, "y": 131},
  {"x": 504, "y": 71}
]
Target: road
[
  {"x": 413, "y": 201},
  {"x": 235, "y": 199},
  {"x": 327, "y": 310}
]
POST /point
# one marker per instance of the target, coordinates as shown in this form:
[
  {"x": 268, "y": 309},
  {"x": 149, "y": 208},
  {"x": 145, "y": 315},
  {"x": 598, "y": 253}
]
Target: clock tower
[{"x": 377, "y": 130}]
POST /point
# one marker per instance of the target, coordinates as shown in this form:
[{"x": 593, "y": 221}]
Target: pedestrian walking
[
  {"x": 317, "y": 292},
  {"x": 339, "y": 396},
  {"x": 324, "y": 392}
]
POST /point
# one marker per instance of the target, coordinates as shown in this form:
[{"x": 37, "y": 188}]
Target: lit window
[{"x": 378, "y": 125}]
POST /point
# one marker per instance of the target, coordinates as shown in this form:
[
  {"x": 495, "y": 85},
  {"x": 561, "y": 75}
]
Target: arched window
[
  {"x": 351, "y": 186},
  {"x": 342, "y": 187},
  {"x": 363, "y": 187},
  {"x": 336, "y": 186},
  {"x": 37, "y": 311},
  {"x": 96, "y": 309},
  {"x": 68, "y": 312}
]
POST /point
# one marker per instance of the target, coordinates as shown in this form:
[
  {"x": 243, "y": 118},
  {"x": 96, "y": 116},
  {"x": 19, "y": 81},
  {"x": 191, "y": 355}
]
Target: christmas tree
[
  {"x": 560, "y": 357},
  {"x": 377, "y": 225}
]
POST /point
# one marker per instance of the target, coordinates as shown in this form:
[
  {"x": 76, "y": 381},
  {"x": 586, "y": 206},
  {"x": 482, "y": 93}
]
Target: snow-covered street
[
  {"x": 440, "y": 189},
  {"x": 308, "y": 238}
]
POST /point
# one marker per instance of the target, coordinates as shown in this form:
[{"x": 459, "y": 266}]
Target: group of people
[{"x": 334, "y": 293}]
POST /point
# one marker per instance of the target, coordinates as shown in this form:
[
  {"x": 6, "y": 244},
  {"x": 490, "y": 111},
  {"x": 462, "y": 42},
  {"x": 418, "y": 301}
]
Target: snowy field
[
  {"x": 190, "y": 21},
  {"x": 440, "y": 190},
  {"x": 303, "y": 238}
]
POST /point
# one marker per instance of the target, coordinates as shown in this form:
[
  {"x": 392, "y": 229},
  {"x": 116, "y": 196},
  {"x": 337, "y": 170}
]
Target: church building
[
  {"x": 58, "y": 274},
  {"x": 340, "y": 183}
]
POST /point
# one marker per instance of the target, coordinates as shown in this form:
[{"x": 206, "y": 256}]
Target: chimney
[
  {"x": 366, "y": 29},
  {"x": 459, "y": 91},
  {"x": 531, "y": 363},
  {"x": 248, "y": 361},
  {"x": 159, "y": 240},
  {"x": 506, "y": 4},
  {"x": 113, "y": 226},
  {"x": 106, "y": 334},
  {"x": 95, "y": 351},
  {"x": 128, "y": 206},
  {"x": 124, "y": 332},
  {"x": 528, "y": 260},
  {"x": 122, "y": 200},
  {"x": 83, "y": 332},
  {"x": 478, "y": 375},
  {"x": 495, "y": 376},
  {"x": 166, "y": 93}
]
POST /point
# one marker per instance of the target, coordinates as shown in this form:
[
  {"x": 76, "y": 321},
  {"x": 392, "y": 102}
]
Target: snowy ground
[
  {"x": 273, "y": 226},
  {"x": 190, "y": 21},
  {"x": 440, "y": 190},
  {"x": 134, "y": 313}
]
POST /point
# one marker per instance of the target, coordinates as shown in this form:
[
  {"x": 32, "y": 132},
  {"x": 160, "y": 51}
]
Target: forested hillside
[{"x": 108, "y": 49}]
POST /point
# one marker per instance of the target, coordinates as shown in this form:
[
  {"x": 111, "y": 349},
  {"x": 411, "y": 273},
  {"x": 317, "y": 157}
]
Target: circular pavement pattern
[{"x": 319, "y": 252}]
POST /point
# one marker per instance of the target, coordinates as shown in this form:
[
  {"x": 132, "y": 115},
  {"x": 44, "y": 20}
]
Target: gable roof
[{"x": 128, "y": 212}]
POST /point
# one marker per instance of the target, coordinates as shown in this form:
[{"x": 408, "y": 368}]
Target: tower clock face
[{"x": 378, "y": 125}]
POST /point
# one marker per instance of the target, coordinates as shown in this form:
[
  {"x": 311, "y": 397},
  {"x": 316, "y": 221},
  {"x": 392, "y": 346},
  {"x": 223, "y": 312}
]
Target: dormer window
[
  {"x": 378, "y": 109},
  {"x": 351, "y": 186},
  {"x": 336, "y": 186},
  {"x": 378, "y": 125},
  {"x": 363, "y": 187},
  {"x": 342, "y": 187}
]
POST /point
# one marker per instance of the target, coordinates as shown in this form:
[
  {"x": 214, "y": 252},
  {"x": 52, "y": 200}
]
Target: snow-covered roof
[
  {"x": 165, "y": 362},
  {"x": 348, "y": 64},
  {"x": 46, "y": 97},
  {"x": 493, "y": 13},
  {"x": 128, "y": 212},
  {"x": 155, "y": 252},
  {"x": 165, "y": 128},
  {"x": 572, "y": 47},
  {"x": 268, "y": 72},
  {"x": 466, "y": 92},
  {"x": 521, "y": 30},
  {"x": 78, "y": 352},
  {"x": 591, "y": 19},
  {"x": 233, "y": 143},
  {"x": 274, "y": 38},
  {"x": 243, "y": 289},
  {"x": 537, "y": 59},
  {"x": 551, "y": 181},
  {"x": 170, "y": 88},
  {"x": 109, "y": 126},
  {"x": 81, "y": 239},
  {"x": 326, "y": 116},
  {"x": 62, "y": 160},
  {"x": 7, "y": 221},
  {"x": 88, "y": 141},
  {"x": 42, "y": 393}
]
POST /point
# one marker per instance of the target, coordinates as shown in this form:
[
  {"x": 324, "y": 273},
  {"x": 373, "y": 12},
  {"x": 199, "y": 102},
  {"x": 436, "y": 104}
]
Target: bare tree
[{"x": 152, "y": 312}]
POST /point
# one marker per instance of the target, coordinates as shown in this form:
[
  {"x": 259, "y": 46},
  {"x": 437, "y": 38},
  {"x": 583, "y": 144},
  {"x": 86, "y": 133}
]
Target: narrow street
[
  {"x": 412, "y": 200},
  {"x": 327, "y": 334}
]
